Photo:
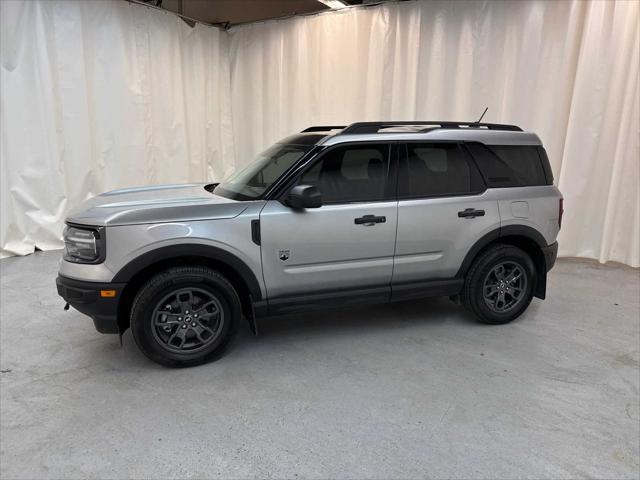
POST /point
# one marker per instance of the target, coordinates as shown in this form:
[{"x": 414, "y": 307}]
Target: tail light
[{"x": 560, "y": 211}]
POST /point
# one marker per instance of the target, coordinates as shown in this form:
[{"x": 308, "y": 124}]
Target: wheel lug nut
[
  {"x": 179, "y": 318},
  {"x": 195, "y": 315},
  {"x": 186, "y": 311},
  {"x": 193, "y": 324},
  {"x": 184, "y": 326}
]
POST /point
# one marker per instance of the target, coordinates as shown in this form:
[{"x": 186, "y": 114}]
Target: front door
[{"x": 345, "y": 245}]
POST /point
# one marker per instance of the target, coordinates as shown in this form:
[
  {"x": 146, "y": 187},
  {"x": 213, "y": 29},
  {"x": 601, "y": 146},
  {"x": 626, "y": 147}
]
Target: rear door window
[
  {"x": 437, "y": 169},
  {"x": 509, "y": 165}
]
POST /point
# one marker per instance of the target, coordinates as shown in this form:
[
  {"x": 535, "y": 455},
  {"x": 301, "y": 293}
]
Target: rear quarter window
[{"x": 509, "y": 165}]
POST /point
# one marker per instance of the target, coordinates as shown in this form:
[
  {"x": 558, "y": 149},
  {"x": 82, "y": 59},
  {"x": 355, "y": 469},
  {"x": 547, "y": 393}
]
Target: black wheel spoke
[
  {"x": 206, "y": 315},
  {"x": 198, "y": 331},
  {"x": 182, "y": 337},
  {"x": 185, "y": 298},
  {"x": 165, "y": 318},
  {"x": 500, "y": 301},
  {"x": 205, "y": 328},
  {"x": 491, "y": 290},
  {"x": 203, "y": 309},
  {"x": 203, "y": 333},
  {"x": 173, "y": 336},
  {"x": 515, "y": 275}
]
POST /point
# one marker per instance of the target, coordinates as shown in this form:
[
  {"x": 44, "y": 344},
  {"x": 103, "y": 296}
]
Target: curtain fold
[{"x": 106, "y": 94}]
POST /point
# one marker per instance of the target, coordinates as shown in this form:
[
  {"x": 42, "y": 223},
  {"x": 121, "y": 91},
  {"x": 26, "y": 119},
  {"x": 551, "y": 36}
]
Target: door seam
[{"x": 395, "y": 246}]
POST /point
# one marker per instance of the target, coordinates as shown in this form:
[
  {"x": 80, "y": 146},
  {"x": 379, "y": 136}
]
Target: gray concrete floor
[{"x": 409, "y": 390}]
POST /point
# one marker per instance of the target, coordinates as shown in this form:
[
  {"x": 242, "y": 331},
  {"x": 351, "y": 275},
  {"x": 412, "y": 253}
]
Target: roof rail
[
  {"x": 374, "y": 127},
  {"x": 323, "y": 128}
]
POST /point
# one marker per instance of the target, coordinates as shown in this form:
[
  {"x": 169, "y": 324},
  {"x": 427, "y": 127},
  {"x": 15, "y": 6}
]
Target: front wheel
[
  {"x": 499, "y": 285},
  {"x": 185, "y": 316}
]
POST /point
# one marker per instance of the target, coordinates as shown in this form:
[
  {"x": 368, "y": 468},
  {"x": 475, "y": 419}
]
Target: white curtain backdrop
[{"x": 99, "y": 95}]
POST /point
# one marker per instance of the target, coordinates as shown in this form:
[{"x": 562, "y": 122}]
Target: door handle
[
  {"x": 369, "y": 220},
  {"x": 471, "y": 213}
]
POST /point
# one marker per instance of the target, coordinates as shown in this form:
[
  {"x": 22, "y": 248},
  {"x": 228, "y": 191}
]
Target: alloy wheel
[
  {"x": 187, "y": 320},
  {"x": 505, "y": 286}
]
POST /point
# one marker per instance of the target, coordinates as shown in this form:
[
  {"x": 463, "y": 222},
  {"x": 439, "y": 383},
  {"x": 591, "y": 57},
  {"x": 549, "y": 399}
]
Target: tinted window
[
  {"x": 350, "y": 174},
  {"x": 509, "y": 165},
  {"x": 438, "y": 169}
]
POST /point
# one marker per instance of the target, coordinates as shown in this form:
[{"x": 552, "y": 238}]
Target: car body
[{"x": 372, "y": 212}]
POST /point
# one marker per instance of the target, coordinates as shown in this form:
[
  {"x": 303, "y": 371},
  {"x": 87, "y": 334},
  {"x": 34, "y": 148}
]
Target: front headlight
[{"x": 83, "y": 244}]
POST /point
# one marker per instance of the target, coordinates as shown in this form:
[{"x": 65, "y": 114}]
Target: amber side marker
[{"x": 108, "y": 293}]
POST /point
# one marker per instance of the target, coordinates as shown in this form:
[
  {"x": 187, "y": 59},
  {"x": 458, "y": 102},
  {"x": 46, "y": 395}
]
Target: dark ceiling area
[{"x": 232, "y": 12}]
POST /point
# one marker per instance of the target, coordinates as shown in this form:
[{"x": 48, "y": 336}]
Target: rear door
[
  {"x": 347, "y": 243},
  {"x": 443, "y": 210}
]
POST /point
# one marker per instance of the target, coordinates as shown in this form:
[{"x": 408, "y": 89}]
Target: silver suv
[{"x": 371, "y": 212}]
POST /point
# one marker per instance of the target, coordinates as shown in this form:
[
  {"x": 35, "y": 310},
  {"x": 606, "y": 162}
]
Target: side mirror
[{"x": 304, "y": 196}]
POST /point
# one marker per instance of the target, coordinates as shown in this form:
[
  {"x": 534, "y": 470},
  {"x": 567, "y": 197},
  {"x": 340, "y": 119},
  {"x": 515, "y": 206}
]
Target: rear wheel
[
  {"x": 185, "y": 316},
  {"x": 499, "y": 285}
]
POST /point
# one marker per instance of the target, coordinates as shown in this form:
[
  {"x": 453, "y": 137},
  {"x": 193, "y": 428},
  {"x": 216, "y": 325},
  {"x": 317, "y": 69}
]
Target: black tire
[
  {"x": 159, "y": 322},
  {"x": 483, "y": 287}
]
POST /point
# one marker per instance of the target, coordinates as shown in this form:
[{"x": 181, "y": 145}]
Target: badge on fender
[{"x": 284, "y": 255}]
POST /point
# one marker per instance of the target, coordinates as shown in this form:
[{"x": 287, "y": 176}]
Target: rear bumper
[
  {"x": 550, "y": 254},
  {"x": 85, "y": 297}
]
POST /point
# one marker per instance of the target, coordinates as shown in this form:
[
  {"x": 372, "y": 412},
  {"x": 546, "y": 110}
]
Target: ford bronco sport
[{"x": 371, "y": 212}]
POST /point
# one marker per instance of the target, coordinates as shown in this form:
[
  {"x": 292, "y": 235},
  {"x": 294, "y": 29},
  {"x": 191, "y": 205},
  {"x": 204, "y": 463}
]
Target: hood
[{"x": 161, "y": 203}]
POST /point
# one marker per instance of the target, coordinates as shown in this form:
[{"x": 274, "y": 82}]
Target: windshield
[{"x": 253, "y": 180}]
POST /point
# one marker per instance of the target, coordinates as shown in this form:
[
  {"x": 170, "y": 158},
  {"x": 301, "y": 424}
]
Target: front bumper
[
  {"x": 550, "y": 254},
  {"x": 85, "y": 297}
]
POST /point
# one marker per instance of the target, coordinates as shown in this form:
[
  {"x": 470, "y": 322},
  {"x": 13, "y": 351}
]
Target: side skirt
[
  {"x": 366, "y": 296},
  {"x": 316, "y": 301},
  {"x": 430, "y": 288}
]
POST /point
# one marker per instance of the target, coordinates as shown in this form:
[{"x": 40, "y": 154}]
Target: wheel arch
[
  {"x": 136, "y": 272},
  {"x": 526, "y": 238}
]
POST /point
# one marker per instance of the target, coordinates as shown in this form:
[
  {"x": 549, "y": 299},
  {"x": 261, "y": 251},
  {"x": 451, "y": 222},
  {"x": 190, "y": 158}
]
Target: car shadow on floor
[
  {"x": 320, "y": 325},
  {"x": 371, "y": 317}
]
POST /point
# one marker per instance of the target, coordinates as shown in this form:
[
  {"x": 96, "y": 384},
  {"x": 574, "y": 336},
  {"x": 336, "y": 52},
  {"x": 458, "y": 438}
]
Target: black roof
[{"x": 304, "y": 138}]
